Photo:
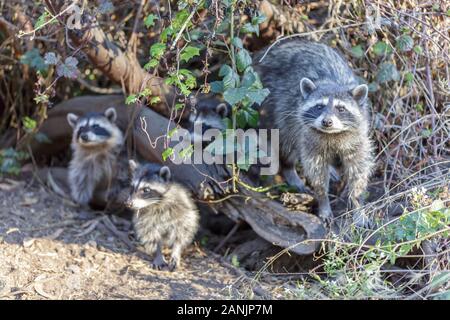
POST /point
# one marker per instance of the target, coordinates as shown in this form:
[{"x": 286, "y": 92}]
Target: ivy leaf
[
  {"x": 409, "y": 78},
  {"x": 381, "y": 48},
  {"x": 165, "y": 34},
  {"x": 216, "y": 86},
  {"x": 51, "y": 58},
  {"x": 33, "y": 59},
  {"x": 405, "y": 43},
  {"x": 132, "y": 98},
  {"x": 155, "y": 100},
  {"x": 357, "y": 51},
  {"x": 258, "y": 19},
  {"x": 29, "y": 124},
  {"x": 237, "y": 42},
  {"x": 258, "y": 95},
  {"x": 250, "y": 28},
  {"x": 150, "y": 20},
  {"x": 167, "y": 153},
  {"x": 234, "y": 95},
  {"x": 189, "y": 52},
  {"x": 387, "y": 72},
  {"x": 151, "y": 64},
  {"x": 180, "y": 19},
  {"x": 42, "y": 138},
  {"x": 41, "y": 20},
  {"x": 68, "y": 69},
  {"x": 418, "y": 49},
  {"x": 243, "y": 60},
  {"x": 230, "y": 78},
  {"x": 157, "y": 50}
]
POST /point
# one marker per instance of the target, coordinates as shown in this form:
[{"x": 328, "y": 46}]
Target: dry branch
[{"x": 121, "y": 67}]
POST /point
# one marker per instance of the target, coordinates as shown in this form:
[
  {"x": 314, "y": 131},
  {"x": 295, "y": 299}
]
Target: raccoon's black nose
[
  {"x": 327, "y": 123},
  {"x": 84, "y": 137}
]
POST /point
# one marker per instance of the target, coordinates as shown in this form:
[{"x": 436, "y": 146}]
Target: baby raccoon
[
  {"x": 96, "y": 143},
  {"x": 165, "y": 213},
  {"x": 321, "y": 111}
]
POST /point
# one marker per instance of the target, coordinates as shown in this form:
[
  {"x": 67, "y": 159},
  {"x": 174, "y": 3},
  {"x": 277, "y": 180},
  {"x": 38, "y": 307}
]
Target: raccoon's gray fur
[
  {"x": 320, "y": 109},
  {"x": 164, "y": 213},
  {"x": 96, "y": 144}
]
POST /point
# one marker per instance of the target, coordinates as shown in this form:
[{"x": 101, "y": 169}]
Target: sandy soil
[{"x": 50, "y": 249}]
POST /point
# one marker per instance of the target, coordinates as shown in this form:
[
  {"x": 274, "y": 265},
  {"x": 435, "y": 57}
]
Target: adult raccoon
[{"x": 321, "y": 111}]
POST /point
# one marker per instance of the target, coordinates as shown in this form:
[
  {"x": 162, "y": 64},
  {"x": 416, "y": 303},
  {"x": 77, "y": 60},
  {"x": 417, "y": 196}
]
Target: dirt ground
[{"x": 50, "y": 249}]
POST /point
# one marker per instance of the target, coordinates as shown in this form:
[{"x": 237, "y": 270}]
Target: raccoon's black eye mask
[{"x": 95, "y": 129}]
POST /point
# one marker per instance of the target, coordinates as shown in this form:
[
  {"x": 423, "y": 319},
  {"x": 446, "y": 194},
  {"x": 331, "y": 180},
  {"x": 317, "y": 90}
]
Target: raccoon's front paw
[
  {"x": 158, "y": 264},
  {"x": 173, "y": 264},
  {"x": 326, "y": 215},
  {"x": 361, "y": 220}
]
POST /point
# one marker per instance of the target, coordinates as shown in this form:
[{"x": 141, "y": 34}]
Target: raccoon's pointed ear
[
  {"x": 111, "y": 114},
  {"x": 222, "y": 110},
  {"x": 164, "y": 173},
  {"x": 360, "y": 93},
  {"x": 72, "y": 119},
  {"x": 306, "y": 87},
  {"x": 132, "y": 165}
]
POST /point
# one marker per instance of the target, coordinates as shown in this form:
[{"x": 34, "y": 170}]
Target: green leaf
[
  {"x": 34, "y": 59},
  {"x": 189, "y": 52},
  {"x": 250, "y": 28},
  {"x": 418, "y": 49},
  {"x": 41, "y": 20},
  {"x": 180, "y": 19},
  {"x": 405, "y": 43},
  {"x": 387, "y": 72},
  {"x": 258, "y": 95},
  {"x": 234, "y": 95},
  {"x": 150, "y": 20},
  {"x": 167, "y": 153},
  {"x": 179, "y": 106},
  {"x": 145, "y": 93},
  {"x": 243, "y": 60},
  {"x": 165, "y": 34},
  {"x": 216, "y": 86},
  {"x": 258, "y": 19},
  {"x": 235, "y": 261},
  {"x": 132, "y": 98},
  {"x": 381, "y": 48},
  {"x": 157, "y": 50},
  {"x": 172, "y": 132},
  {"x": 224, "y": 70},
  {"x": 230, "y": 78},
  {"x": 357, "y": 51},
  {"x": 155, "y": 100},
  {"x": 409, "y": 78},
  {"x": 426, "y": 133},
  {"x": 151, "y": 64},
  {"x": 237, "y": 42},
  {"x": 29, "y": 124}
]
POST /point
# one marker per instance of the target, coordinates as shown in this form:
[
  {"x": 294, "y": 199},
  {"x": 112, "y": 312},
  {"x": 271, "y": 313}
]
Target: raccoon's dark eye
[
  {"x": 95, "y": 126},
  {"x": 319, "y": 106},
  {"x": 340, "y": 108}
]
